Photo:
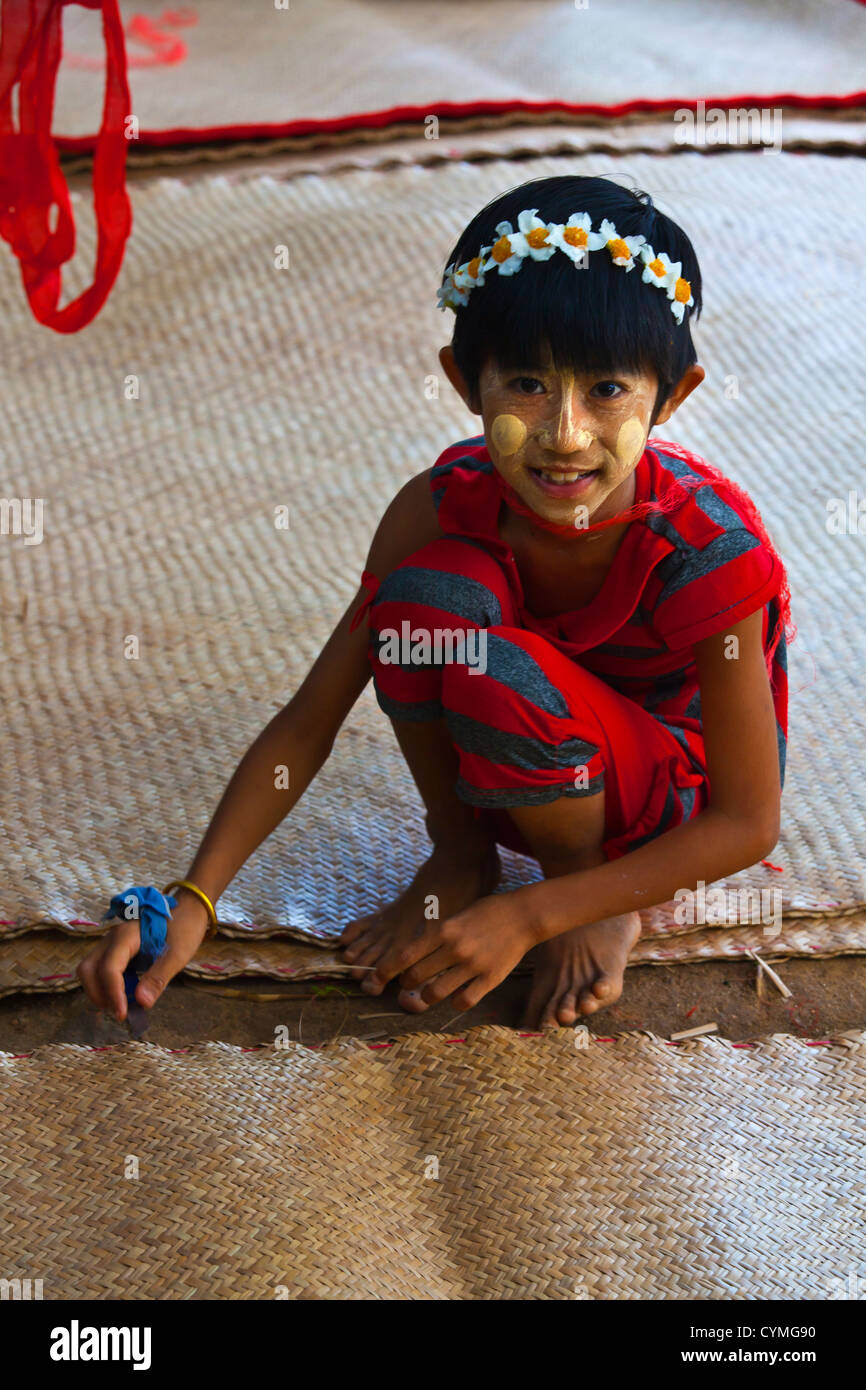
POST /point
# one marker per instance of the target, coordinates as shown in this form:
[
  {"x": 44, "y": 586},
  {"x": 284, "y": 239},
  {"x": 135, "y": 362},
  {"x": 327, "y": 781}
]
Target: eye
[
  {"x": 607, "y": 390},
  {"x": 525, "y": 384}
]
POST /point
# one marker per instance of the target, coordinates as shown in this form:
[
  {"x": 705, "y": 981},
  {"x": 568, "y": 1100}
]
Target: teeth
[{"x": 562, "y": 477}]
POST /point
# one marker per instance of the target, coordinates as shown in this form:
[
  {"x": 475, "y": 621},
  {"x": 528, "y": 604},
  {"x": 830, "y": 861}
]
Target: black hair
[{"x": 603, "y": 318}]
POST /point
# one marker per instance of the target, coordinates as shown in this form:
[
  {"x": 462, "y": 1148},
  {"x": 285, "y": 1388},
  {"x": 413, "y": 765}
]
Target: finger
[
  {"x": 86, "y": 972},
  {"x": 154, "y": 980},
  {"x": 446, "y": 983},
  {"x": 352, "y": 930},
  {"x": 422, "y": 972},
  {"x": 369, "y": 983},
  {"x": 359, "y": 946},
  {"x": 122, "y": 945},
  {"x": 363, "y": 964},
  {"x": 472, "y": 993},
  {"x": 411, "y": 1001},
  {"x": 400, "y": 958}
]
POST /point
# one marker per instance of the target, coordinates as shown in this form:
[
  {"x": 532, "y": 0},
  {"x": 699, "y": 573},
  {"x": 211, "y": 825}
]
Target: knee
[
  {"x": 508, "y": 672},
  {"x": 518, "y": 741},
  {"x": 511, "y": 683},
  {"x": 444, "y": 583}
]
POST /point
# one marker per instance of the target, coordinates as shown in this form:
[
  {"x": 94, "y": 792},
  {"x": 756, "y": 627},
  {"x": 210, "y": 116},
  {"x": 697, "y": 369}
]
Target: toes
[
  {"x": 587, "y": 1002},
  {"x": 547, "y": 1015},
  {"x": 566, "y": 1010},
  {"x": 551, "y": 1005},
  {"x": 539, "y": 998},
  {"x": 607, "y": 989}
]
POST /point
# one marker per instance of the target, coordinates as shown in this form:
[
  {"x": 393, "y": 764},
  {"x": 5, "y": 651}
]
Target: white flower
[
  {"x": 539, "y": 240},
  {"x": 658, "y": 268},
  {"x": 471, "y": 273},
  {"x": 535, "y": 234},
  {"x": 680, "y": 292},
  {"x": 449, "y": 296},
  {"x": 572, "y": 236},
  {"x": 622, "y": 248},
  {"x": 507, "y": 254}
]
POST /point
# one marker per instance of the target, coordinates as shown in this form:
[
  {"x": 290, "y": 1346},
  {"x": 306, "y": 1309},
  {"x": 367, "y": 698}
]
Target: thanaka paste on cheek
[
  {"x": 507, "y": 434},
  {"x": 629, "y": 442}
]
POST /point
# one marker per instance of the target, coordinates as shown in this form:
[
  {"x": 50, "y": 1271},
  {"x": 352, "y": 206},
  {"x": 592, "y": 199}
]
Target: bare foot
[
  {"x": 454, "y": 876},
  {"x": 580, "y": 971}
]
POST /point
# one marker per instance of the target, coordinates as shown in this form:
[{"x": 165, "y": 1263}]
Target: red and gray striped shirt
[{"x": 679, "y": 575}]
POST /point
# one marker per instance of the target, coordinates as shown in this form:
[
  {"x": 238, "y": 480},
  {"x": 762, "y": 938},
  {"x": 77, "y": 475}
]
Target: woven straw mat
[
  {"x": 505, "y": 136},
  {"x": 693, "y": 1170},
  {"x": 307, "y": 388},
  {"x": 314, "y": 62},
  {"x": 42, "y": 962}
]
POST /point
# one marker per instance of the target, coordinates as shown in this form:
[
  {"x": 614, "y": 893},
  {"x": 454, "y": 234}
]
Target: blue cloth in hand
[{"x": 152, "y": 910}]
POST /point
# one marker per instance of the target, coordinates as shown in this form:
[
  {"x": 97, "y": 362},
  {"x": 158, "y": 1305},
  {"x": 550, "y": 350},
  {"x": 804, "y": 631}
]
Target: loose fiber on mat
[
  {"x": 496, "y": 1167},
  {"x": 359, "y": 56},
  {"x": 310, "y": 389},
  {"x": 44, "y": 962}
]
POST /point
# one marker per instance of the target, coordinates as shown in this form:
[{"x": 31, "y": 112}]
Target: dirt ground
[{"x": 828, "y": 997}]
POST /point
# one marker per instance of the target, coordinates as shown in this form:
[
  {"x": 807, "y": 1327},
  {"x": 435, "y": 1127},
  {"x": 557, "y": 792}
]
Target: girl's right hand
[{"x": 101, "y": 971}]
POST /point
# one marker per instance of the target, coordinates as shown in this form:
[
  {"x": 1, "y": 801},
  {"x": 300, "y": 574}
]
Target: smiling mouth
[{"x": 561, "y": 475}]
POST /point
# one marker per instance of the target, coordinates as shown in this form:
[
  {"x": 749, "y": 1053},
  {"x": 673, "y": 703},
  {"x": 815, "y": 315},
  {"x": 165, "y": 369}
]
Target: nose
[{"x": 566, "y": 432}]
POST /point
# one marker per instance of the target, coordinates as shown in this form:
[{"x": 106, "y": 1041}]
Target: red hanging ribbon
[{"x": 31, "y": 181}]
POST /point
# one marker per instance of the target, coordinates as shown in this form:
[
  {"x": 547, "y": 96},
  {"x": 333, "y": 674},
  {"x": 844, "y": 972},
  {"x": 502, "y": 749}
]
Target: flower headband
[{"x": 575, "y": 237}]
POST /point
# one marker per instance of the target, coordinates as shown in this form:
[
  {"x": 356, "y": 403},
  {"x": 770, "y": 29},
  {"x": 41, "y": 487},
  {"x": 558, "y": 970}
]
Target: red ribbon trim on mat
[{"x": 31, "y": 181}]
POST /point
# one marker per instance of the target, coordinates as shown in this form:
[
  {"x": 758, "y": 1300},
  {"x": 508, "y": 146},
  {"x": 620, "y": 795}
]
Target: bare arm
[
  {"x": 738, "y": 827},
  {"x": 298, "y": 738}
]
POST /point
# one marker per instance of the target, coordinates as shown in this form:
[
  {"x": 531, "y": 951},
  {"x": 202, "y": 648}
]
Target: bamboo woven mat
[
  {"x": 315, "y": 63},
  {"x": 451, "y": 1169},
  {"x": 306, "y": 388},
  {"x": 505, "y": 135},
  {"x": 44, "y": 962}
]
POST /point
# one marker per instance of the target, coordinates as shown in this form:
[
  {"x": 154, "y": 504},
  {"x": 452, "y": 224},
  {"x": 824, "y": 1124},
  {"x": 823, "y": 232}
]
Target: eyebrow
[{"x": 599, "y": 373}]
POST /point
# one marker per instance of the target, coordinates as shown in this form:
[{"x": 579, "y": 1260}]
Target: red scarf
[
  {"x": 668, "y": 502},
  {"x": 31, "y": 181}
]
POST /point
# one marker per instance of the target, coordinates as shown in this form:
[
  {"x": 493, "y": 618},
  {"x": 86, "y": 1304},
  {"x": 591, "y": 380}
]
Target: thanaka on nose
[{"x": 567, "y": 434}]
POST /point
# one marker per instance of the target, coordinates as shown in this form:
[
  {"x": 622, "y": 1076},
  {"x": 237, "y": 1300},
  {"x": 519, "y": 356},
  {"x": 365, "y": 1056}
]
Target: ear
[
  {"x": 457, "y": 379},
  {"x": 691, "y": 377}
]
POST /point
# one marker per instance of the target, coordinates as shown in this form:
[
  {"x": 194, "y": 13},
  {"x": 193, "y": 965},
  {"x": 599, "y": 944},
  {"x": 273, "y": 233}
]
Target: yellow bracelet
[{"x": 202, "y": 897}]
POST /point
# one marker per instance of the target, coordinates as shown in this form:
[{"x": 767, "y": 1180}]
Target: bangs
[{"x": 597, "y": 318}]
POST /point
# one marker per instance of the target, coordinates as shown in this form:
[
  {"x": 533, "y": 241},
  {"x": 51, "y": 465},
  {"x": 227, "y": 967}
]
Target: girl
[{"x": 578, "y": 635}]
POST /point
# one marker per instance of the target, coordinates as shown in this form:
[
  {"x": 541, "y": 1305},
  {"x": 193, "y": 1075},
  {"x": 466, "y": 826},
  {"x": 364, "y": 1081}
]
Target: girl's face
[{"x": 565, "y": 440}]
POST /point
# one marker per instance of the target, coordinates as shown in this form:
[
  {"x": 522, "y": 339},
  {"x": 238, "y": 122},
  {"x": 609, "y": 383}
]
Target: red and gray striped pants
[{"x": 528, "y": 723}]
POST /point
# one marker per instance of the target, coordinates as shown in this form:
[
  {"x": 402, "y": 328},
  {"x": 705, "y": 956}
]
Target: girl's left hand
[{"x": 475, "y": 950}]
